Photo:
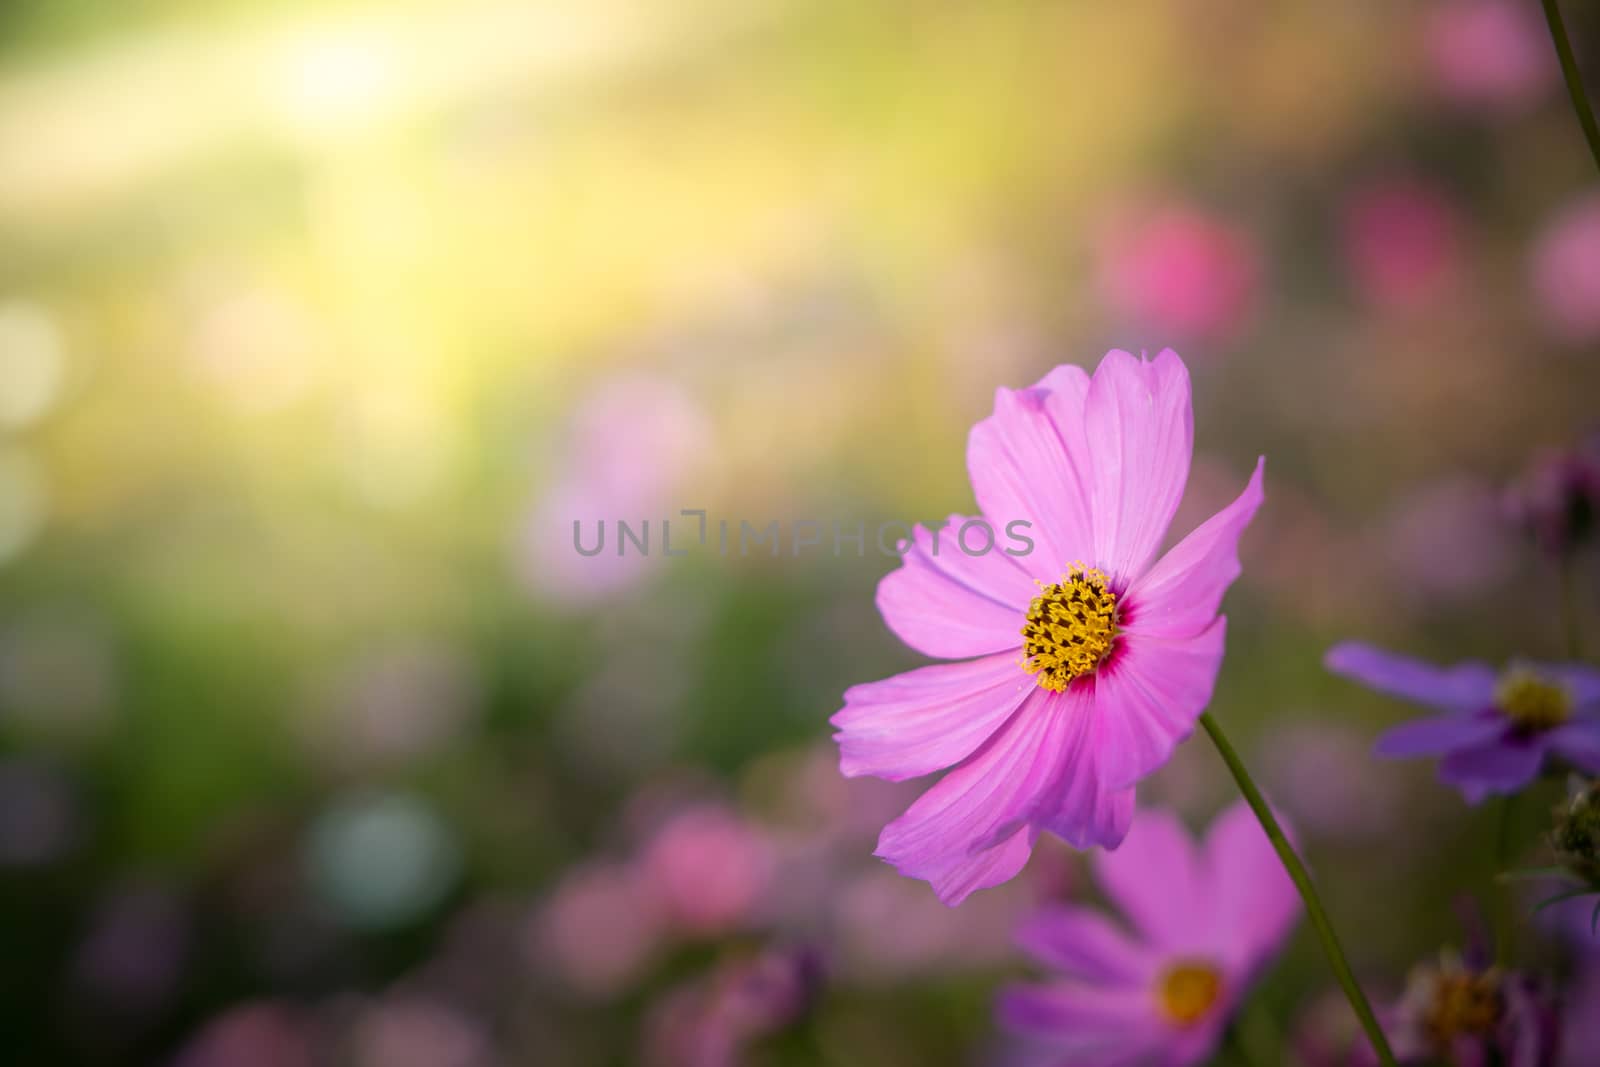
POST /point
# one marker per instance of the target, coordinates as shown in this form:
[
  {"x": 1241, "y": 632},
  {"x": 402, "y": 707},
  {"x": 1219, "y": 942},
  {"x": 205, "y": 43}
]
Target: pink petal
[
  {"x": 1148, "y": 698},
  {"x": 951, "y": 605},
  {"x": 1067, "y": 1008},
  {"x": 927, "y": 719},
  {"x": 1083, "y": 943},
  {"x": 970, "y": 830},
  {"x": 1079, "y": 807},
  {"x": 1028, "y": 461},
  {"x": 1140, "y": 429},
  {"x": 1255, "y": 904},
  {"x": 1182, "y": 592},
  {"x": 1158, "y": 880},
  {"x": 1085, "y": 1026}
]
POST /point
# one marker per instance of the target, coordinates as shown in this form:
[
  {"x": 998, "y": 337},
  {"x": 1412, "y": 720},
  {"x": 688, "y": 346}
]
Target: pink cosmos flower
[
  {"x": 1082, "y": 663},
  {"x": 1488, "y": 53},
  {"x": 709, "y": 868},
  {"x": 1181, "y": 271},
  {"x": 1401, "y": 241},
  {"x": 1205, "y": 918},
  {"x": 1565, "y": 271}
]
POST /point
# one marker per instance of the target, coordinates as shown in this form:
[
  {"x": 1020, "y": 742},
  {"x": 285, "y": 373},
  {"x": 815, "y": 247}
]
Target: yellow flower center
[
  {"x": 1464, "y": 1004},
  {"x": 1532, "y": 703},
  {"x": 1070, "y": 629},
  {"x": 1187, "y": 990}
]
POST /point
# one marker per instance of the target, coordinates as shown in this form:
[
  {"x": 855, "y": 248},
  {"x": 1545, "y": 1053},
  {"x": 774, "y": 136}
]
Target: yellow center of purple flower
[
  {"x": 1070, "y": 629},
  {"x": 1532, "y": 703},
  {"x": 1463, "y": 1004},
  {"x": 1187, "y": 990}
]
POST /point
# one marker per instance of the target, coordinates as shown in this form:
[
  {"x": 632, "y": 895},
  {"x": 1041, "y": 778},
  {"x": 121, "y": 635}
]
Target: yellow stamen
[
  {"x": 1071, "y": 628},
  {"x": 1463, "y": 1003},
  {"x": 1532, "y": 703},
  {"x": 1187, "y": 990}
]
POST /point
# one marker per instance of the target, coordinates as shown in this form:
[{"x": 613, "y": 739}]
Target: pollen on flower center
[
  {"x": 1070, "y": 629},
  {"x": 1464, "y": 1004},
  {"x": 1187, "y": 990},
  {"x": 1532, "y": 703}
]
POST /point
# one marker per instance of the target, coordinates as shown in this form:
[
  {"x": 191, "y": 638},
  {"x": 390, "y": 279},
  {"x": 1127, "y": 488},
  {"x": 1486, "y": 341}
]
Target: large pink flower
[{"x": 1083, "y": 664}]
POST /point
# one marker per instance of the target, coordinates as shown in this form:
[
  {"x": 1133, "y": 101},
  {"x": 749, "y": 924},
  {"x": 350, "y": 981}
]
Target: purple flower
[
  {"x": 1557, "y": 498},
  {"x": 1084, "y": 663},
  {"x": 1205, "y": 917},
  {"x": 1470, "y": 1016},
  {"x": 1494, "y": 729}
]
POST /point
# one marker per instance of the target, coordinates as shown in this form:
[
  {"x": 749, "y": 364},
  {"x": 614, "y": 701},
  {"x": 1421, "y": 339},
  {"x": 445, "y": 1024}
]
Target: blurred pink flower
[
  {"x": 414, "y": 1031},
  {"x": 1179, "y": 271},
  {"x": 1556, "y": 500},
  {"x": 257, "y": 1034},
  {"x": 597, "y": 930},
  {"x": 1082, "y": 665},
  {"x": 631, "y": 442},
  {"x": 133, "y": 958},
  {"x": 891, "y": 929},
  {"x": 1488, "y": 53},
  {"x": 1401, "y": 241},
  {"x": 707, "y": 1021},
  {"x": 709, "y": 868},
  {"x": 1448, "y": 541},
  {"x": 1318, "y": 771},
  {"x": 1206, "y": 917},
  {"x": 1565, "y": 271}
]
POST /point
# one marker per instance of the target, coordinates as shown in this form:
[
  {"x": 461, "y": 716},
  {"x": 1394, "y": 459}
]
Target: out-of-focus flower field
[{"x": 320, "y": 323}]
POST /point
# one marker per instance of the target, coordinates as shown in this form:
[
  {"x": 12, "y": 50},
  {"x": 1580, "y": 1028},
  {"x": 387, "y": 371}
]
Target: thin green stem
[
  {"x": 1505, "y": 935},
  {"x": 1308, "y": 891},
  {"x": 1569, "y": 71},
  {"x": 1569, "y": 606}
]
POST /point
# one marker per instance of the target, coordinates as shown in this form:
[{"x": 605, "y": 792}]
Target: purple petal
[
  {"x": 1256, "y": 905},
  {"x": 1028, "y": 461},
  {"x": 1438, "y": 734},
  {"x": 1140, "y": 428},
  {"x": 1464, "y": 687},
  {"x": 1180, "y": 595},
  {"x": 1496, "y": 767},
  {"x": 1083, "y": 943},
  {"x": 970, "y": 830},
  {"x": 951, "y": 605},
  {"x": 1157, "y": 879},
  {"x": 927, "y": 719},
  {"x": 1149, "y": 697},
  {"x": 1578, "y": 742}
]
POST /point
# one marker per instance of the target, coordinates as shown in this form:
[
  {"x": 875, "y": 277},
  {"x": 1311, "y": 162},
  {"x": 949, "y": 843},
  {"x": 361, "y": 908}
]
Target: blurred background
[{"x": 321, "y": 322}]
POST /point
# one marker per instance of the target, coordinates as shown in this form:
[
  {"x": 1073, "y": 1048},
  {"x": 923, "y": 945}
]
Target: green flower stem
[
  {"x": 1569, "y": 607},
  {"x": 1308, "y": 892},
  {"x": 1506, "y": 913},
  {"x": 1569, "y": 70}
]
